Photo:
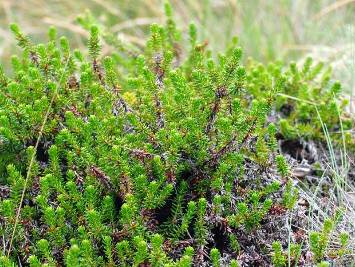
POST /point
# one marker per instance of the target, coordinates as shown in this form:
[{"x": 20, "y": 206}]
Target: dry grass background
[{"x": 267, "y": 30}]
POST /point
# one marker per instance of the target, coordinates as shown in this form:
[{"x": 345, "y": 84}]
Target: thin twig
[
  {"x": 220, "y": 93},
  {"x": 229, "y": 147},
  {"x": 159, "y": 82}
]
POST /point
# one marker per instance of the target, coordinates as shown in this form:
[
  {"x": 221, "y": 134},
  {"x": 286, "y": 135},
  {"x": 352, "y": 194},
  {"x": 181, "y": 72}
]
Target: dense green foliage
[{"x": 152, "y": 159}]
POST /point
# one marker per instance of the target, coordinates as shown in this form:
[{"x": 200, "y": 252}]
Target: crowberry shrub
[{"x": 151, "y": 158}]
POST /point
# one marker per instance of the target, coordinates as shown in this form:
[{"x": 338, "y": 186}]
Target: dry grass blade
[
  {"x": 65, "y": 25},
  {"x": 339, "y": 195},
  {"x": 133, "y": 23},
  {"x": 28, "y": 174},
  {"x": 338, "y": 4},
  {"x": 108, "y": 7}
]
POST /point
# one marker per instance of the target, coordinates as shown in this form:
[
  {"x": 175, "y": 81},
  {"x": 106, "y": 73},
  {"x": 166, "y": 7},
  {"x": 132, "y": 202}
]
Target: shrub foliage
[{"x": 166, "y": 157}]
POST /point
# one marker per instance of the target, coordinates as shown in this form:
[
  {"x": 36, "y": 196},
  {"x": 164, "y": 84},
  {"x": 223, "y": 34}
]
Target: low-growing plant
[
  {"x": 319, "y": 240},
  {"x": 281, "y": 257},
  {"x": 278, "y": 259},
  {"x": 308, "y": 103},
  {"x": 148, "y": 159}
]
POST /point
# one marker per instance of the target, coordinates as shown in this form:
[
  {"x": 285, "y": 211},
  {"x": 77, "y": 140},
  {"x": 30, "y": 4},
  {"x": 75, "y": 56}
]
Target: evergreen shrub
[{"x": 167, "y": 156}]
